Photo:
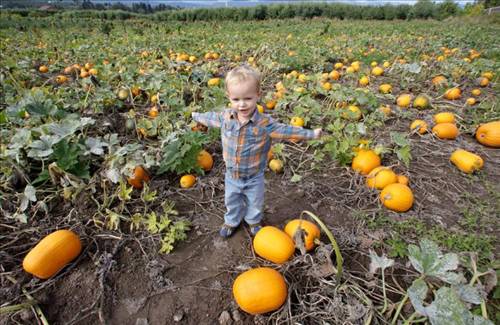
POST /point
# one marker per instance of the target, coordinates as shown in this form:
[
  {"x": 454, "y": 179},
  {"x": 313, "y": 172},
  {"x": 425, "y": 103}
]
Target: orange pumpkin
[
  {"x": 311, "y": 231},
  {"x": 402, "y": 179},
  {"x": 419, "y": 125},
  {"x": 139, "y": 177},
  {"x": 445, "y": 131},
  {"x": 260, "y": 290},
  {"x": 489, "y": 134},
  {"x": 187, "y": 181},
  {"x": 205, "y": 160},
  {"x": 52, "y": 253},
  {"x": 453, "y": 93},
  {"x": 380, "y": 177},
  {"x": 397, "y": 197},
  {"x": 466, "y": 161},
  {"x": 444, "y": 117},
  {"x": 273, "y": 244},
  {"x": 365, "y": 161}
]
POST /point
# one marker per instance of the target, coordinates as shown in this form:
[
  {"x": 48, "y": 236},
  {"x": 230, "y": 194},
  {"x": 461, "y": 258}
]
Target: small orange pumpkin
[
  {"x": 311, "y": 231},
  {"x": 273, "y": 244},
  {"x": 365, "y": 161},
  {"x": 445, "y": 131},
  {"x": 52, "y": 253},
  {"x": 139, "y": 177},
  {"x": 260, "y": 290},
  {"x": 187, "y": 181},
  {"x": 380, "y": 177},
  {"x": 402, "y": 179},
  {"x": 489, "y": 134},
  {"x": 444, "y": 117},
  {"x": 205, "y": 160},
  {"x": 397, "y": 197},
  {"x": 466, "y": 161}
]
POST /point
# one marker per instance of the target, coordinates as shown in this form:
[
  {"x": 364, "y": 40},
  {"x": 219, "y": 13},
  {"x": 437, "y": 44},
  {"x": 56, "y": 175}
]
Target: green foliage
[
  {"x": 402, "y": 149},
  {"x": 180, "y": 153}
]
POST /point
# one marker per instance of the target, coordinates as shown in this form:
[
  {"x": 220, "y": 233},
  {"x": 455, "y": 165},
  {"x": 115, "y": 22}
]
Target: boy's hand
[{"x": 317, "y": 133}]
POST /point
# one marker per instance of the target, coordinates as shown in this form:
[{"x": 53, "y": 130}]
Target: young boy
[{"x": 246, "y": 140}]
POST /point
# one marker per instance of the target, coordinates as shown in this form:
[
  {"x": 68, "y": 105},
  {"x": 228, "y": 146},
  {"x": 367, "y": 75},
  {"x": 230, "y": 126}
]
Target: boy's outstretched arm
[
  {"x": 210, "y": 119},
  {"x": 283, "y": 131}
]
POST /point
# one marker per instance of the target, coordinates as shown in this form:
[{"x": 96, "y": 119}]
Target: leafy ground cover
[{"x": 86, "y": 101}]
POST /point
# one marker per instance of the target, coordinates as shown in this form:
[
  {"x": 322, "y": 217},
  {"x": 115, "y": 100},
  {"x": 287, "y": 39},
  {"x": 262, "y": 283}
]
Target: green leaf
[
  {"x": 296, "y": 178},
  {"x": 428, "y": 260},
  {"x": 448, "y": 309},
  {"x": 417, "y": 293}
]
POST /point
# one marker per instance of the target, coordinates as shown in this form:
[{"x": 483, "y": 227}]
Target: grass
[{"x": 470, "y": 235}]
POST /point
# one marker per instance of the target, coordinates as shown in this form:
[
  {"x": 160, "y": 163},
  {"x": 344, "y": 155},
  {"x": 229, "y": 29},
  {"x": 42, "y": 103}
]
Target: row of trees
[{"x": 423, "y": 9}]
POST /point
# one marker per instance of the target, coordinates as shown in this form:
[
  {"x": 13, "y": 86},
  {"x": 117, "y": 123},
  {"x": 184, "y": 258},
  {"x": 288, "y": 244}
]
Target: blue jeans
[{"x": 244, "y": 198}]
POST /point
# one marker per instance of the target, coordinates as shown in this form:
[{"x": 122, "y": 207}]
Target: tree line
[{"x": 423, "y": 9}]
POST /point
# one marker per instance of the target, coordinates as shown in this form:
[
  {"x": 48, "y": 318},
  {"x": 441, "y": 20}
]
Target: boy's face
[{"x": 243, "y": 97}]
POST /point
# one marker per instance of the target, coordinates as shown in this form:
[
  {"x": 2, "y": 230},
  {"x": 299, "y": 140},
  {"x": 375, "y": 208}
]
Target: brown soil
[{"x": 121, "y": 279}]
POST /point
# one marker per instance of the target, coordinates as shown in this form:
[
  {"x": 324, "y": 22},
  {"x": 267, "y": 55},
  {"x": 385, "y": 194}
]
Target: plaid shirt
[{"x": 245, "y": 147}]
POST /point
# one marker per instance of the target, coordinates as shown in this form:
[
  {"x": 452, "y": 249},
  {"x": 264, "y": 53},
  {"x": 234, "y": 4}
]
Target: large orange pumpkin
[
  {"x": 365, "y": 161},
  {"x": 260, "y": 290},
  {"x": 397, "y": 197},
  {"x": 205, "y": 160},
  {"x": 466, "y": 161},
  {"x": 52, "y": 253},
  {"x": 273, "y": 244},
  {"x": 311, "y": 231},
  {"x": 489, "y": 134},
  {"x": 445, "y": 131}
]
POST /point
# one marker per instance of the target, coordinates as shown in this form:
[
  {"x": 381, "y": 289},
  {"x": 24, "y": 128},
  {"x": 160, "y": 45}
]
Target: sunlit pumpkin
[
  {"x": 444, "y": 117},
  {"x": 466, "y": 161},
  {"x": 52, "y": 253},
  {"x": 445, "y": 131},
  {"x": 380, "y": 177},
  {"x": 273, "y": 244},
  {"x": 311, "y": 231},
  {"x": 260, "y": 290},
  {"x": 365, "y": 161},
  {"x": 488, "y": 134},
  {"x": 397, "y": 197}
]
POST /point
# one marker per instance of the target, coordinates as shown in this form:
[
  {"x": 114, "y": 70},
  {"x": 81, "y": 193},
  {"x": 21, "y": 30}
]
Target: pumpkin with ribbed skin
[
  {"x": 273, "y": 244},
  {"x": 466, "y": 161},
  {"x": 260, "y": 290},
  {"x": 380, "y": 177},
  {"x": 397, "y": 197},
  {"x": 489, "y": 134},
  {"x": 365, "y": 161},
  {"x": 52, "y": 253},
  {"x": 445, "y": 131},
  {"x": 205, "y": 160},
  {"x": 311, "y": 231}
]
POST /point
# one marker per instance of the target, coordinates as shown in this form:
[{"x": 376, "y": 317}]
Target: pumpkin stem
[{"x": 330, "y": 236}]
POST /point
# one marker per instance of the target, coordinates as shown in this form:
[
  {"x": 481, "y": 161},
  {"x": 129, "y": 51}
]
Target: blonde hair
[{"x": 243, "y": 73}]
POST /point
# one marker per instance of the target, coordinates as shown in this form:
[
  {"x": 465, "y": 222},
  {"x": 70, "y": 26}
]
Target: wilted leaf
[
  {"x": 295, "y": 178},
  {"x": 95, "y": 145},
  {"x": 377, "y": 262},
  {"x": 41, "y": 148},
  {"x": 30, "y": 193}
]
